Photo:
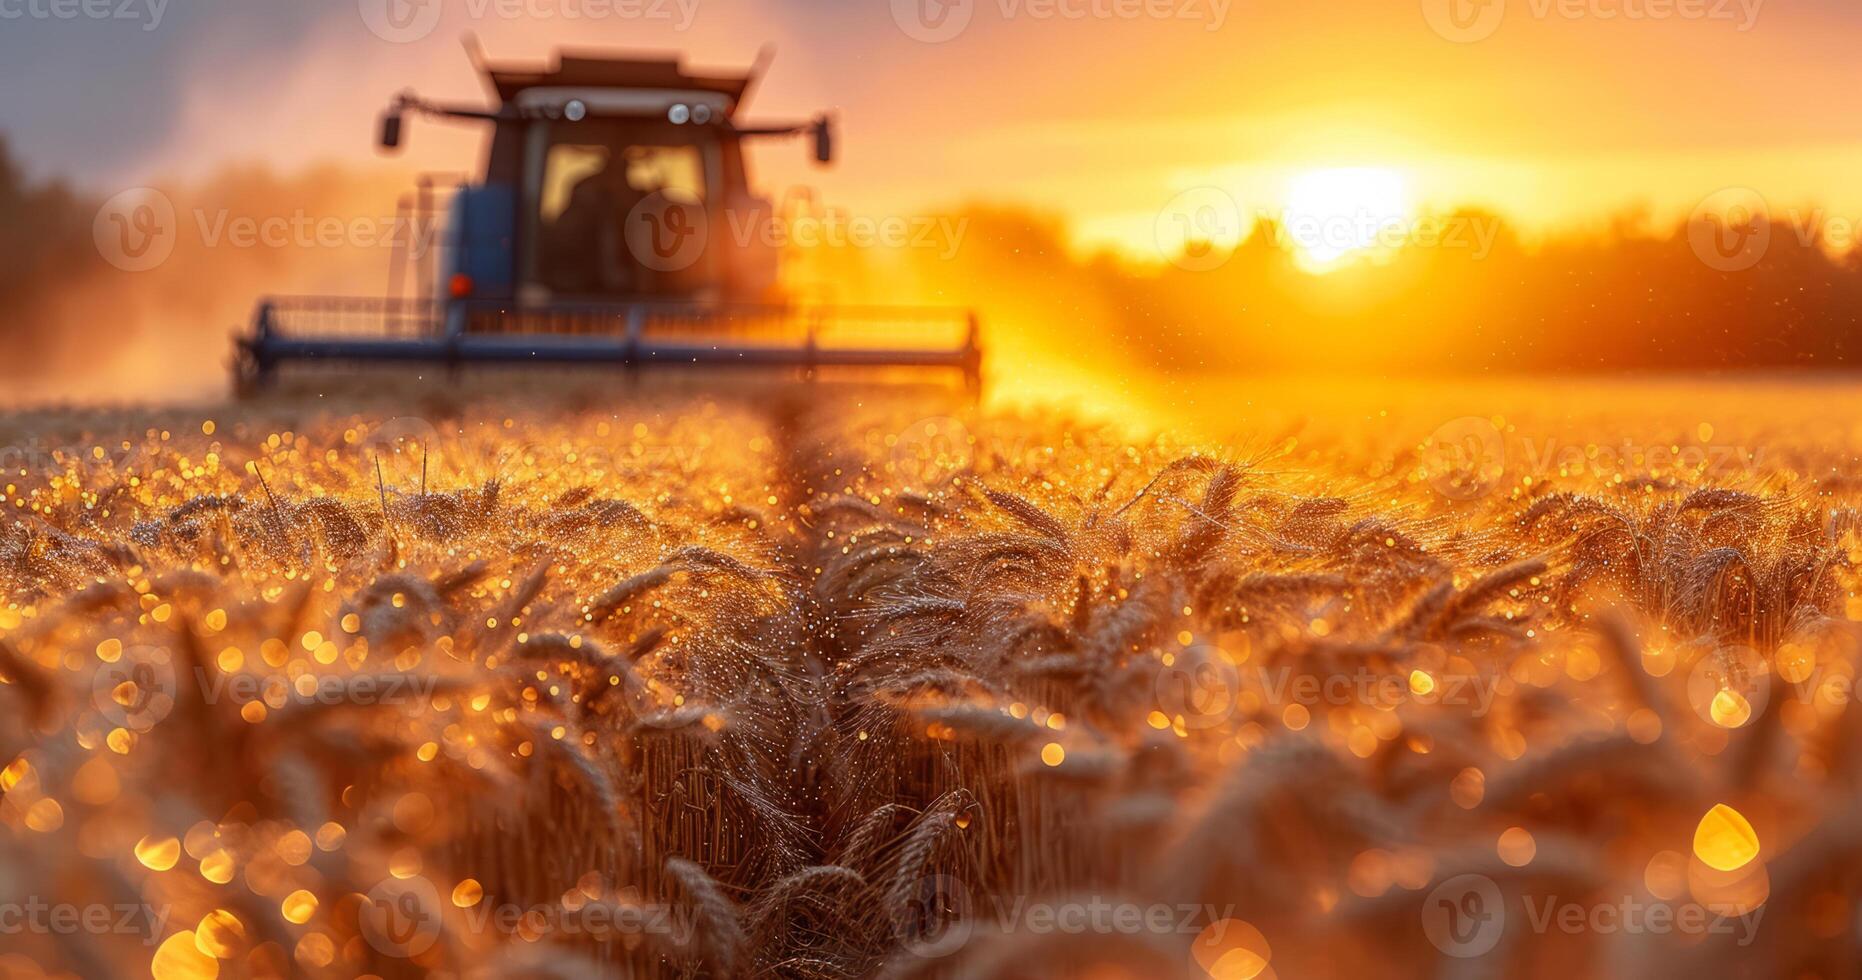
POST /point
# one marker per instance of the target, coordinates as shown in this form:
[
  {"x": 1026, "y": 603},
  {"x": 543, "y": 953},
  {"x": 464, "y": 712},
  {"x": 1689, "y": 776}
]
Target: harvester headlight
[
  {"x": 701, "y": 114},
  {"x": 680, "y": 114},
  {"x": 575, "y": 110}
]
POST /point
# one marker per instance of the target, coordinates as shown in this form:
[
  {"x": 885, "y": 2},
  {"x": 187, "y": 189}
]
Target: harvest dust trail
[{"x": 807, "y": 477}]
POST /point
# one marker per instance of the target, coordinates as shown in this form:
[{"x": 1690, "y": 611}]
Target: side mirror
[
  {"x": 391, "y": 130},
  {"x": 824, "y": 140}
]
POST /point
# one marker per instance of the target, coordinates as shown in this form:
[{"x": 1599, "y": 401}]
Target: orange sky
[{"x": 1569, "y": 111}]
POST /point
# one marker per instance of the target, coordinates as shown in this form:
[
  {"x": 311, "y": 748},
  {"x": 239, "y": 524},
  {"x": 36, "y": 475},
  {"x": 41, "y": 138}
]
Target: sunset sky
[{"x": 1562, "y": 115}]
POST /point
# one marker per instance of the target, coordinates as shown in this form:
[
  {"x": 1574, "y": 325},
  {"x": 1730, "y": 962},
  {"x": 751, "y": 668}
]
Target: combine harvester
[{"x": 607, "y": 229}]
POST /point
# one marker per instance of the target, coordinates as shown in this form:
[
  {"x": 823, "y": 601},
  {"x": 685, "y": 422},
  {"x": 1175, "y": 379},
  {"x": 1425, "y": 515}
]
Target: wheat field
[{"x": 819, "y": 683}]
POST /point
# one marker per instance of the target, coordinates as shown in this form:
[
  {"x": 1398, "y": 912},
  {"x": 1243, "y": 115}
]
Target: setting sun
[{"x": 1330, "y": 213}]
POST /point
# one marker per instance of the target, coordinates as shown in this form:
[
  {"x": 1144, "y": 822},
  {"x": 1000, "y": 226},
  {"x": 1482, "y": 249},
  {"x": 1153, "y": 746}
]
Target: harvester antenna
[
  {"x": 764, "y": 55},
  {"x": 475, "y": 53}
]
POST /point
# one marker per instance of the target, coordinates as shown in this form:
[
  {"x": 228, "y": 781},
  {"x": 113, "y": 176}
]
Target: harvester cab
[{"x": 614, "y": 223}]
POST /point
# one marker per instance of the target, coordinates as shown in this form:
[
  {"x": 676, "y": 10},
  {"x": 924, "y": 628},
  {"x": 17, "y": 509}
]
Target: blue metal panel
[{"x": 481, "y": 233}]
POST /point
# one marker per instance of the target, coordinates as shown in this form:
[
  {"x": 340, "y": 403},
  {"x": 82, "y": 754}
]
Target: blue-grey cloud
[{"x": 92, "y": 83}]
